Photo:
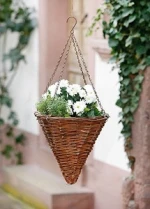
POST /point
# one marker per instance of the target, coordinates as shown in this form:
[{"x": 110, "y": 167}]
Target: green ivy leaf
[
  {"x": 19, "y": 157},
  {"x": 10, "y": 132},
  {"x": 6, "y": 100},
  {"x": 127, "y": 12},
  {"x": 130, "y": 20},
  {"x": 139, "y": 78},
  {"x": 2, "y": 121},
  {"x": 7, "y": 151},
  {"x": 126, "y": 81},
  {"x": 141, "y": 49},
  {"x": 20, "y": 139},
  {"x": 148, "y": 61},
  {"x": 113, "y": 42},
  {"x": 91, "y": 114},
  {"x": 128, "y": 41}
]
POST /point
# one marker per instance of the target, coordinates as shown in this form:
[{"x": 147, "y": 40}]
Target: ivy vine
[
  {"x": 15, "y": 17},
  {"x": 128, "y": 33}
]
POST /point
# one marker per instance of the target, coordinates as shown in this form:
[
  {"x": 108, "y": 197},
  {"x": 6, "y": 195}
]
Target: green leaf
[
  {"x": 6, "y": 100},
  {"x": 2, "y": 121},
  {"x": 15, "y": 122},
  {"x": 127, "y": 109},
  {"x": 134, "y": 70},
  {"x": 113, "y": 59},
  {"x": 113, "y": 42},
  {"x": 7, "y": 151},
  {"x": 139, "y": 78},
  {"x": 19, "y": 157},
  {"x": 130, "y": 20},
  {"x": 127, "y": 12},
  {"x": 119, "y": 103},
  {"x": 10, "y": 132},
  {"x": 20, "y": 139},
  {"x": 12, "y": 115},
  {"x": 91, "y": 114},
  {"x": 133, "y": 108},
  {"x": 86, "y": 109},
  {"x": 141, "y": 49},
  {"x": 148, "y": 61},
  {"x": 124, "y": 101},
  {"x": 128, "y": 41},
  {"x": 126, "y": 81}
]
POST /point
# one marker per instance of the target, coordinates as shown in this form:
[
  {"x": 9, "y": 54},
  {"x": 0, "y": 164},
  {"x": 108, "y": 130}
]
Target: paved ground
[{"x": 8, "y": 202}]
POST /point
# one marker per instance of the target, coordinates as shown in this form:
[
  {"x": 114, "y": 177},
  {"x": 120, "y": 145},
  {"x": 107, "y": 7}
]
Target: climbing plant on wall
[
  {"x": 128, "y": 33},
  {"x": 15, "y": 18}
]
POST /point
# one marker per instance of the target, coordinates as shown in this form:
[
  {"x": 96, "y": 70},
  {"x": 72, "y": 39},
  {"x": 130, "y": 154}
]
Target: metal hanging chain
[
  {"x": 65, "y": 60},
  {"x": 62, "y": 54},
  {"x": 80, "y": 65},
  {"x": 56, "y": 68},
  {"x": 80, "y": 53}
]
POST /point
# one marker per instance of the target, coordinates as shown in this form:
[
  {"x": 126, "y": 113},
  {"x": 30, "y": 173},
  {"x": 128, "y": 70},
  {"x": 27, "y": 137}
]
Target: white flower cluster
[{"x": 78, "y": 98}]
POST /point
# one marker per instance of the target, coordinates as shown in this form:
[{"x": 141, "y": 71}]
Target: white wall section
[{"x": 109, "y": 147}]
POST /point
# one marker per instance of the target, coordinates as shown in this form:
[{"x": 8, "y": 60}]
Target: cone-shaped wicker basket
[{"x": 71, "y": 139}]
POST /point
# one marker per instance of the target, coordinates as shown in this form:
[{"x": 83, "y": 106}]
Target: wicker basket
[{"x": 71, "y": 140}]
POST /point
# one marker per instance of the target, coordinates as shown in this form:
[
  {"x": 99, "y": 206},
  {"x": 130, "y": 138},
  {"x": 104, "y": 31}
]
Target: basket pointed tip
[{"x": 71, "y": 179}]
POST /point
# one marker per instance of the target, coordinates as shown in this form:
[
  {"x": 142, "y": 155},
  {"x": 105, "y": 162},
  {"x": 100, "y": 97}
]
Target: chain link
[
  {"x": 78, "y": 59},
  {"x": 80, "y": 53},
  {"x": 58, "y": 63},
  {"x": 65, "y": 60}
]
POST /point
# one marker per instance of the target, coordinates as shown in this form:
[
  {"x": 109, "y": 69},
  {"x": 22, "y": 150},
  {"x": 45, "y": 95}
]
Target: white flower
[
  {"x": 69, "y": 110},
  {"x": 79, "y": 107},
  {"x": 73, "y": 89},
  {"x": 69, "y": 107},
  {"x": 52, "y": 89},
  {"x": 82, "y": 93},
  {"x": 44, "y": 96},
  {"x": 98, "y": 107},
  {"x": 90, "y": 99},
  {"x": 70, "y": 103},
  {"x": 89, "y": 90},
  {"x": 63, "y": 83},
  {"x": 88, "y": 87}
]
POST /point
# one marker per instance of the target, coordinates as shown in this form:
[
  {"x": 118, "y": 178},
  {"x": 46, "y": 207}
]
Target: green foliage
[
  {"x": 20, "y": 139},
  {"x": 16, "y": 18},
  {"x": 92, "y": 111},
  {"x": 96, "y": 21},
  {"x": 128, "y": 32},
  {"x": 19, "y": 158},
  {"x": 7, "y": 151},
  {"x": 56, "y": 107},
  {"x": 42, "y": 106}
]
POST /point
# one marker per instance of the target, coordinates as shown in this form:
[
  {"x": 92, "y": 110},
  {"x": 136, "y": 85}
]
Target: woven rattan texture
[{"x": 71, "y": 140}]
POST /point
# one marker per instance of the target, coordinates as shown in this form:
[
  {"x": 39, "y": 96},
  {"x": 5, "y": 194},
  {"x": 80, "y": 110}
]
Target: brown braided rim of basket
[{"x": 71, "y": 140}]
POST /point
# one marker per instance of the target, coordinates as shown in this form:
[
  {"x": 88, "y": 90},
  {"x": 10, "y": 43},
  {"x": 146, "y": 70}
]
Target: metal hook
[{"x": 74, "y": 24}]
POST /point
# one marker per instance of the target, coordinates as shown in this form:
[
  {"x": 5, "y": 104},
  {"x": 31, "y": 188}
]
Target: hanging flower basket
[{"x": 71, "y": 117}]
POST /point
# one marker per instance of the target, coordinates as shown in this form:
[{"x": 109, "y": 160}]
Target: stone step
[{"x": 44, "y": 190}]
